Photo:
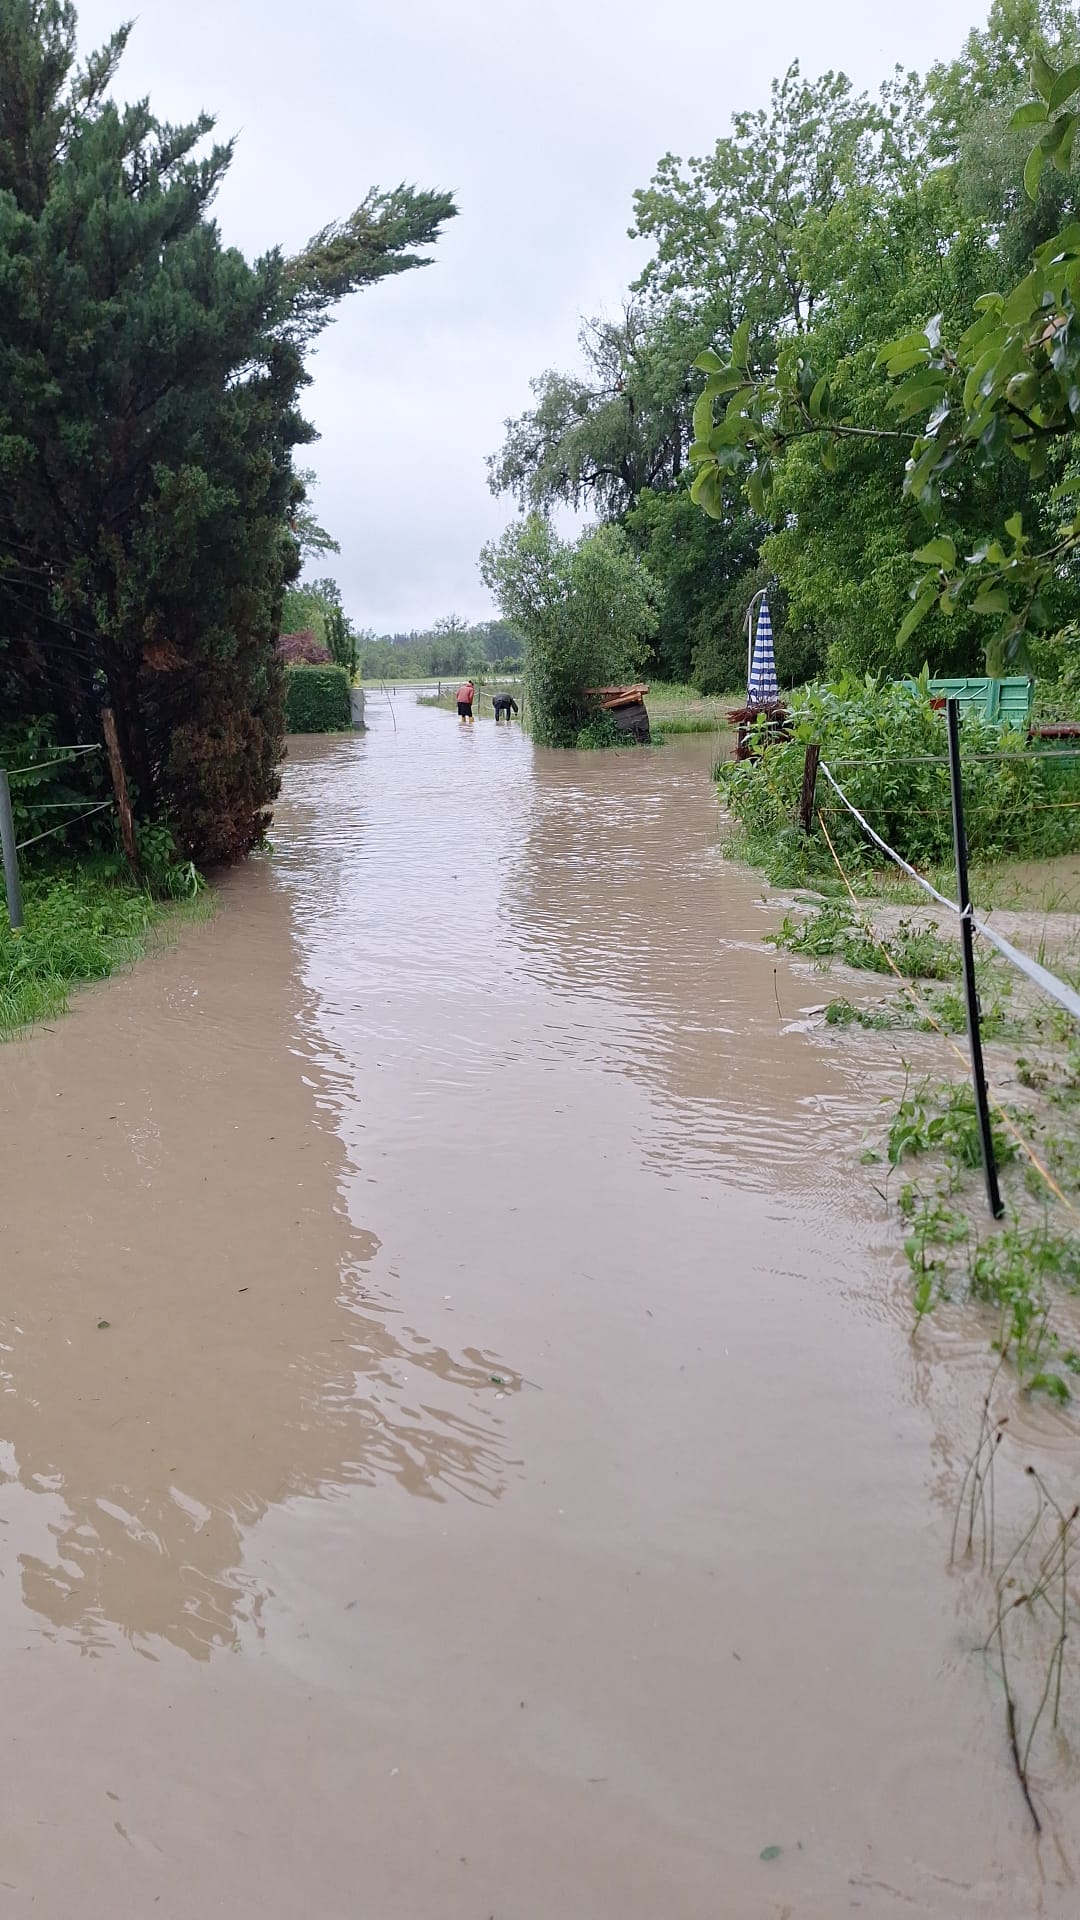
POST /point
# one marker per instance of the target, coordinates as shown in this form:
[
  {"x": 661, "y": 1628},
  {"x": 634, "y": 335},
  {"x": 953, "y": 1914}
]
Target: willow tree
[
  {"x": 150, "y": 380},
  {"x": 586, "y": 609}
]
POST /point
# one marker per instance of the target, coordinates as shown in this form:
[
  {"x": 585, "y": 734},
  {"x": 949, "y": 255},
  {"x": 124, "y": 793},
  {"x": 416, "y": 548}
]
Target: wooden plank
[{"x": 612, "y": 697}]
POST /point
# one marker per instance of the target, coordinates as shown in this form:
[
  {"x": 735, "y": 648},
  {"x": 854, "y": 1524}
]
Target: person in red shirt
[{"x": 465, "y": 697}]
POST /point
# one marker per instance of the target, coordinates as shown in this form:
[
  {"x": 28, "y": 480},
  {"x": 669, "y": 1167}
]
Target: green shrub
[
  {"x": 317, "y": 700},
  {"x": 586, "y": 610},
  {"x": 887, "y": 747}
]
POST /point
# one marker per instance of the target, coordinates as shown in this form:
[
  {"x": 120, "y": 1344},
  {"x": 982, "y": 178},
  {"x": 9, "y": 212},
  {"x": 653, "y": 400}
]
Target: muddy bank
[{"x": 505, "y": 1484}]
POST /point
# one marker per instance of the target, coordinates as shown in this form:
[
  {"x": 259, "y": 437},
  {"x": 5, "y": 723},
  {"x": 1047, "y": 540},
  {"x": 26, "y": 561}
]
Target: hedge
[{"x": 317, "y": 700}]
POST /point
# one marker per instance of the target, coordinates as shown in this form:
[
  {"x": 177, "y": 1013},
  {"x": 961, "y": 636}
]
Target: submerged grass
[
  {"x": 918, "y": 952},
  {"x": 1025, "y": 1269},
  {"x": 446, "y": 701},
  {"x": 81, "y": 924},
  {"x": 674, "y": 706}
]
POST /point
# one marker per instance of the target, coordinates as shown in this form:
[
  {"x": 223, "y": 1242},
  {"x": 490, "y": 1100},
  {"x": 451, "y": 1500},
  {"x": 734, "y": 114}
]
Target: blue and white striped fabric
[{"x": 763, "y": 689}]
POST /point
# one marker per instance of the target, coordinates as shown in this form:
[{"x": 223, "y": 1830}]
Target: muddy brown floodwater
[{"x": 463, "y": 1452}]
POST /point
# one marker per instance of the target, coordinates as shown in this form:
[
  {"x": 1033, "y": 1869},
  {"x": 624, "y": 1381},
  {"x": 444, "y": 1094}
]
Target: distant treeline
[{"x": 451, "y": 646}]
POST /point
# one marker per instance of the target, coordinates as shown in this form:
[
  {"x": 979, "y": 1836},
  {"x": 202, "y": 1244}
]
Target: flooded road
[{"x": 463, "y": 1456}]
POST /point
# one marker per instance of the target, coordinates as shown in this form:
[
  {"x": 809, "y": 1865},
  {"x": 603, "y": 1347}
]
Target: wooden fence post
[
  {"x": 809, "y": 787},
  {"x": 120, "y": 788}
]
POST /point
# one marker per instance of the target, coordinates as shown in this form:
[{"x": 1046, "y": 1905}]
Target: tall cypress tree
[{"x": 150, "y": 380}]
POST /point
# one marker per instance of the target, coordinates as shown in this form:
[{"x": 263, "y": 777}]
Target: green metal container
[{"x": 1005, "y": 703}]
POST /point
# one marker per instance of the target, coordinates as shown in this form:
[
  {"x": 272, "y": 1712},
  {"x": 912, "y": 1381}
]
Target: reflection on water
[
  {"x": 486, "y": 1061},
  {"x": 190, "y": 1327},
  {"x": 205, "y": 1323}
]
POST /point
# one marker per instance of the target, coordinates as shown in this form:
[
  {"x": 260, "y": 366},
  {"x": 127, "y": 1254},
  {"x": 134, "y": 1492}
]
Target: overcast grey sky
[{"x": 542, "y": 116}]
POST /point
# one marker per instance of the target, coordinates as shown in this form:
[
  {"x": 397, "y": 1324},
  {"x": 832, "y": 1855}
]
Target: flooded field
[{"x": 463, "y": 1453}]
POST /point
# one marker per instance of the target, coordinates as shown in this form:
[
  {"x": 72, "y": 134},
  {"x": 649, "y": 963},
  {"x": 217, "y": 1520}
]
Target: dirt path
[{"x": 504, "y": 1484}]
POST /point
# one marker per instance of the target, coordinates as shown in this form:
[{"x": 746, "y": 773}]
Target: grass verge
[
  {"x": 675, "y": 708},
  {"x": 82, "y": 923}
]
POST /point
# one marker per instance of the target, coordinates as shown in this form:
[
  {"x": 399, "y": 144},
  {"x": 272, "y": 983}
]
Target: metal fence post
[
  {"x": 967, "y": 949},
  {"x": 10, "y": 853}
]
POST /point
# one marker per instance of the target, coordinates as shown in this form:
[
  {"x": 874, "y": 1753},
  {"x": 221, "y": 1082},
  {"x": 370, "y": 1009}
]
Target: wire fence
[
  {"x": 62, "y": 826},
  {"x": 927, "y": 1014},
  {"x": 44, "y": 766},
  {"x": 1040, "y": 976},
  {"x": 61, "y": 756},
  {"x": 1020, "y": 758}
]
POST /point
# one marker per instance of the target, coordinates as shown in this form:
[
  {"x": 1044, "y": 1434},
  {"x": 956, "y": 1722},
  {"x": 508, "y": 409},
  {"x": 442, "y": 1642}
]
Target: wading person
[
  {"x": 465, "y": 697},
  {"x": 504, "y": 705}
]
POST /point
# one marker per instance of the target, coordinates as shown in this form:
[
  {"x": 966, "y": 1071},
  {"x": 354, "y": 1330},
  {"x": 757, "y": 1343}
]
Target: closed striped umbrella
[{"x": 763, "y": 689}]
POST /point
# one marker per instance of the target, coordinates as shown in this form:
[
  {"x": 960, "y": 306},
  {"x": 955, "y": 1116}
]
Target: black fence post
[{"x": 967, "y": 949}]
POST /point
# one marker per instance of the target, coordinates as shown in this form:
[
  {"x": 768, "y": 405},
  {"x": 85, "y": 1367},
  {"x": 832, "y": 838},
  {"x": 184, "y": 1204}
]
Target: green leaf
[
  {"x": 907, "y": 343},
  {"x": 917, "y": 478},
  {"x": 917, "y": 615},
  {"x": 938, "y": 553},
  {"x": 1014, "y": 526},
  {"x": 911, "y": 357},
  {"x": 703, "y": 416},
  {"x": 1056, "y": 133},
  {"x": 1065, "y": 244},
  {"x": 828, "y": 455},
  {"x": 995, "y": 600},
  {"x": 1025, "y": 298},
  {"x": 771, "y": 1853},
  {"x": 1044, "y": 77},
  {"x": 1032, "y": 114},
  {"x": 740, "y": 344},
  {"x": 818, "y": 402},
  {"x": 1036, "y": 161},
  {"x": 1065, "y": 85},
  {"x": 916, "y": 395},
  {"x": 707, "y": 493},
  {"x": 755, "y": 492},
  {"x": 725, "y": 380},
  {"x": 1062, "y": 153},
  {"x": 1050, "y": 1383},
  {"x": 699, "y": 450},
  {"x": 709, "y": 362}
]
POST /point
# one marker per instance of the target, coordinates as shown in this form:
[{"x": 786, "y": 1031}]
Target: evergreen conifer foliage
[{"x": 150, "y": 384}]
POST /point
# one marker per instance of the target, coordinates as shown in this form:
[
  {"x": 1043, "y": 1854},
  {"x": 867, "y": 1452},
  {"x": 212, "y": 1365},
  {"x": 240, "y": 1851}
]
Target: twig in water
[
  {"x": 1021, "y": 1775},
  {"x": 979, "y": 1480},
  {"x": 1049, "y": 1587}
]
